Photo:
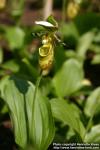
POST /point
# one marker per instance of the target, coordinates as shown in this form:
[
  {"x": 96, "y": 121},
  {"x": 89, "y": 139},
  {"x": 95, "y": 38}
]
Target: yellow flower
[
  {"x": 2, "y": 4},
  {"x": 72, "y": 9},
  {"x": 46, "y": 55}
]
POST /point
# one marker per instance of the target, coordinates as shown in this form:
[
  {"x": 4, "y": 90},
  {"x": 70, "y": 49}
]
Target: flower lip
[{"x": 45, "y": 50}]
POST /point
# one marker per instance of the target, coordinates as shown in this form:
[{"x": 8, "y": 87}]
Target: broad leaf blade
[
  {"x": 68, "y": 114},
  {"x": 87, "y": 21},
  {"x": 11, "y": 65},
  {"x": 96, "y": 59},
  {"x": 84, "y": 43},
  {"x": 41, "y": 126},
  {"x": 68, "y": 79},
  {"x": 66, "y": 32},
  {"x": 92, "y": 105},
  {"x": 14, "y": 98},
  {"x": 93, "y": 135},
  {"x": 15, "y": 37}
]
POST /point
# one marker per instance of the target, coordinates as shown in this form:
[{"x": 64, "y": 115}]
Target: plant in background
[
  {"x": 16, "y": 7},
  {"x": 2, "y": 4},
  {"x": 73, "y": 8}
]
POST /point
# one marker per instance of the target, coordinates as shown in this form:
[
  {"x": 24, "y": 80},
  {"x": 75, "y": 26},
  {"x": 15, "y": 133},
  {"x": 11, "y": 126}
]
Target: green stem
[
  {"x": 64, "y": 11},
  {"x": 36, "y": 88},
  {"x": 35, "y": 92},
  {"x": 34, "y": 97}
]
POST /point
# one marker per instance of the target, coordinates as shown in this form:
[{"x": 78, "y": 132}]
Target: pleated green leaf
[
  {"x": 69, "y": 114},
  {"x": 14, "y": 98},
  {"x": 41, "y": 125},
  {"x": 32, "y": 118}
]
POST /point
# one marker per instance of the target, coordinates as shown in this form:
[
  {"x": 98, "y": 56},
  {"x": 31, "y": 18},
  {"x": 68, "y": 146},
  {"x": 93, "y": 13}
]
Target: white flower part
[
  {"x": 44, "y": 41},
  {"x": 44, "y": 23}
]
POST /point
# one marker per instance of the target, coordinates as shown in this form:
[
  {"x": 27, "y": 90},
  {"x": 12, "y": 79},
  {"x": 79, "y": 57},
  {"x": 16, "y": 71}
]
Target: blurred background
[{"x": 79, "y": 29}]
